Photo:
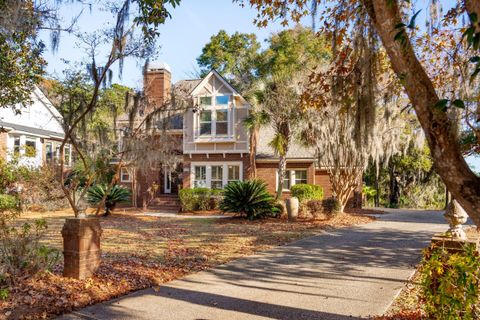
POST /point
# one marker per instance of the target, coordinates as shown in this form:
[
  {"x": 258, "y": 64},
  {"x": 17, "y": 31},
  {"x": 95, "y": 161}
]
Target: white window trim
[
  {"x": 129, "y": 175},
  {"x": 291, "y": 178},
  {"x": 208, "y": 172},
  {"x": 214, "y": 108}
]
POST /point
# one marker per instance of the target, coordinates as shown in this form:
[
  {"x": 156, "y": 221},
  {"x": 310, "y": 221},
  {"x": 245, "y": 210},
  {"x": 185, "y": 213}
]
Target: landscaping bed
[{"x": 140, "y": 252}]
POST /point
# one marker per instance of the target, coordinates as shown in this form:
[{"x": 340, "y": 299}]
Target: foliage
[
  {"x": 202, "y": 199},
  {"x": 9, "y": 203},
  {"x": 450, "y": 283},
  {"x": 369, "y": 193},
  {"x": 331, "y": 206},
  {"x": 21, "y": 252},
  {"x": 249, "y": 198},
  {"x": 114, "y": 195},
  {"x": 233, "y": 56},
  {"x": 21, "y": 63},
  {"x": 305, "y": 192}
]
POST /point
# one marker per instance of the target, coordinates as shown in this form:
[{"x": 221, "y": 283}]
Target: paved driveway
[{"x": 349, "y": 273}]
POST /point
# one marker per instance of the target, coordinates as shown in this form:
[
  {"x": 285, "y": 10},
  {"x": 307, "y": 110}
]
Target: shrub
[
  {"x": 450, "y": 283},
  {"x": 305, "y": 192},
  {"x": 117, "y": 194},
  {"x": 199, "y": 199},
  {"x": 9, "y": 203},
  {"x": 21, "y": 252},
  {"x": 331, "y": 206},
  {"x": 249, "y": 198}
]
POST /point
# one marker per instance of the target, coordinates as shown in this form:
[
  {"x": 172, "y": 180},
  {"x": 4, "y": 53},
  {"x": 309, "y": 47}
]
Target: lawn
[{"x": 140, "y": 252}]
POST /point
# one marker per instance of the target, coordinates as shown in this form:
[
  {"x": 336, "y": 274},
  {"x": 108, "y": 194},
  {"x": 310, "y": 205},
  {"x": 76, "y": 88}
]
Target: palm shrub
[
  {"x": 249, "y": 198},
  {"x": 117, "y": 194}
]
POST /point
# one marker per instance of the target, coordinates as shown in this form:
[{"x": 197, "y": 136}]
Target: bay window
[
  {"x": 206, "y": 123},
  {"x": 214, "y": 116},
  {"x": 215, "y": 175},
  {"x": 200, "y": 180}
]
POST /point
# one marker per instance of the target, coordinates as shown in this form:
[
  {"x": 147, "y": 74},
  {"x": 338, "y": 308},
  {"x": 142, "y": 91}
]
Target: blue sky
[{"x": 181, "y": 38}]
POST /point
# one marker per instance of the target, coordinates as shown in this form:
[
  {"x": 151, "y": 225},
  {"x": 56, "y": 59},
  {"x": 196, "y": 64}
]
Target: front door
[{"x": 167, "y": 181}]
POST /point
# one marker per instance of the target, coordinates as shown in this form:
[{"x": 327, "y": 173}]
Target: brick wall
[
  {"x": 322, "y": 179},
  {"x": 268, "y": 173},
  {"x": 156, "y": 86}
]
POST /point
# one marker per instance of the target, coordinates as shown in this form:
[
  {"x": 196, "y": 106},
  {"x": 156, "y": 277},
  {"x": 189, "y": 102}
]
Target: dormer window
[
  {"x": 214, "y": 117},
  {"x": 206, "y": 123}
]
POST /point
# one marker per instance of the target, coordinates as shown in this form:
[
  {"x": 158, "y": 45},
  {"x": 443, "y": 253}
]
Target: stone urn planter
[
  {"x": 292, "y": 205},
  {"x": 81, "y": 246},
  {"x": 456, "y": 216}
]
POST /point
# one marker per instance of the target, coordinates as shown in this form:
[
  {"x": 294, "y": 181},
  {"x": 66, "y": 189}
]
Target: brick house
[
  {"x": 34, "y": 133},
  {"x": 214, "y": 144}
]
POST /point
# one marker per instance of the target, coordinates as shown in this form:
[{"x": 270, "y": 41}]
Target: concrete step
[{"x": 165, "y": 202}]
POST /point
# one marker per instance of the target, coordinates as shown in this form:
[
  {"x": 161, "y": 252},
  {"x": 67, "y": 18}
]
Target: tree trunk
[
  {"x": 282, "y": 168},
  {"x": 377, "y": 191},
  {"x": 394, "y": 189},
  {"x": 463, "y": 184}
]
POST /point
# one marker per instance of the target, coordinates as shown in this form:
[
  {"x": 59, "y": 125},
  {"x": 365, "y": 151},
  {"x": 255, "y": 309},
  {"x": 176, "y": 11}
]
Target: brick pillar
[{"x": 81, "y": 247}]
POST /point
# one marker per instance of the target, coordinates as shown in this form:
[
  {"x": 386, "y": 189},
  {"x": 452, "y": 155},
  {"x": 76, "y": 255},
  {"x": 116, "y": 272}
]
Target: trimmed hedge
[
  {"x": 306, "y": 192},
  {"x": 199, "y": 199}
]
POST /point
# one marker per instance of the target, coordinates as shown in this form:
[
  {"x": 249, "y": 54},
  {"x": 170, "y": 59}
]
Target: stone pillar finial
[{"x": 456, "y": 216}]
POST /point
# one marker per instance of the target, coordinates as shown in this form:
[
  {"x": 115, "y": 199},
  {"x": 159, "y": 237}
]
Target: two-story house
[
  {"x": 32, "y": 132},
  {"x": 215, "y": 143}
]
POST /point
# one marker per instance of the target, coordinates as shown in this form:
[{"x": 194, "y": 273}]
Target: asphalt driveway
[{"x": 349, "y": 273}]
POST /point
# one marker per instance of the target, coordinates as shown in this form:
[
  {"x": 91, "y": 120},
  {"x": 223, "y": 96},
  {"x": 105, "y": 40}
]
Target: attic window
[
  {"x": 206, "y": 101},
  {"x": 221, "y": 100}
]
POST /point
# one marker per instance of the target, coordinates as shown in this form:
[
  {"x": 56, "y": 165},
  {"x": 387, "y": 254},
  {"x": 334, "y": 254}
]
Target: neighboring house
[
  {"x": 214, "y": 142},
  {"x": 32, "y": 132}
]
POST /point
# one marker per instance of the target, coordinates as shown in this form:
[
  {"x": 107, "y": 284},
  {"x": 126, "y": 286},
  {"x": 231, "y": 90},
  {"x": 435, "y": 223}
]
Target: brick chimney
[{"x": 157, "y": 82}]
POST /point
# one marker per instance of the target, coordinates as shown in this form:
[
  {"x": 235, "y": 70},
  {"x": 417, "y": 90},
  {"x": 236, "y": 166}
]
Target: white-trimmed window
[
  {"x": 293, "y": 177},
  {"x": 215, "y": 175},
  {"x": 125, "y": 175},
  {"x": 49, "y": 154},
  {"x": 233, "y": 173},
  {"x": 206, "y": 123},
  {"x": 200, "y": 177},
  {"x": 30, "y": 147},
  {"x": 214, "y": 118},
  {"x": 16, "y": 145}
]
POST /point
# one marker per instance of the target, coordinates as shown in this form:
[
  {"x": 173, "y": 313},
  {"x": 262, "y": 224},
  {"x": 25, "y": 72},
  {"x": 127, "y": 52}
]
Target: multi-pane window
[
  {"x": 217, "y": 177},
  {"x": 293, "y": 177},
  {"x": 49, "y": 154},
  {"x": 300, "y": 176},
  {"x": 222, "y": 122},
  {"x": 200, "y": 180},
  {"x": 30, "y": 147},
  {"x": 219, "y": 100},
  {"x": 125, "y": 175},
  {"x": 16, "y": 145},
  {"x": 206, "y": 122},
  {"x": 286, "y": 180},
  {"x": 206, "y": 101},
  {"x": 213, "y": 119},
  {"x": 233, "y": 173},
  {"x": 66, "y": 154}
]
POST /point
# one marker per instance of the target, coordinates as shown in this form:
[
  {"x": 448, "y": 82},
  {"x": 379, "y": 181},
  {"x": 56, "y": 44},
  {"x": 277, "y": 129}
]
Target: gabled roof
[{"x": 212, "y": 73}]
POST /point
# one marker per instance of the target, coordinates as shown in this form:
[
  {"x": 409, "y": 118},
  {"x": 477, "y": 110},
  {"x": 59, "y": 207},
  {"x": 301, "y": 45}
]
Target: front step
[{"x": 165, "y": 203}]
